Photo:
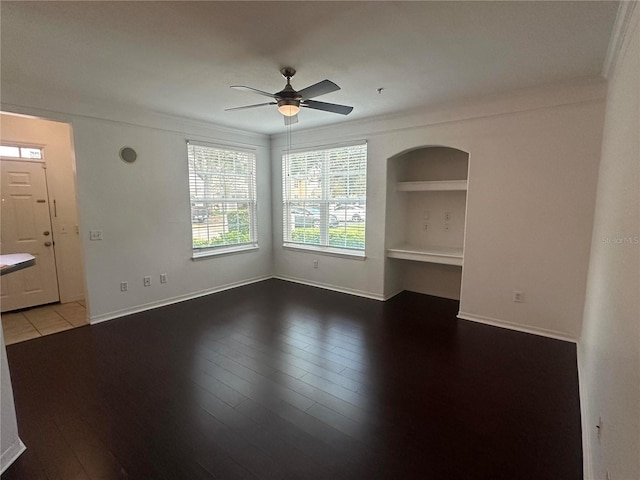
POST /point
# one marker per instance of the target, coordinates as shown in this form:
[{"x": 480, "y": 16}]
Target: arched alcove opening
[{"x": 426, "y": 218}]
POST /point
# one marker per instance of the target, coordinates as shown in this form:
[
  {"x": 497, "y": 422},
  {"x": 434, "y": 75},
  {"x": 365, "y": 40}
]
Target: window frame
[
  {"x": 21, "y": 156},
  {"x": 324, "y": 202},
  {"x": 199, "y": 253}
]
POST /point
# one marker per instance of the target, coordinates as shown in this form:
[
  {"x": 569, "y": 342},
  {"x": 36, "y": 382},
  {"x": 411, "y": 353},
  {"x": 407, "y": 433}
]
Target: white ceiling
[{"x": 181, "y": 57}]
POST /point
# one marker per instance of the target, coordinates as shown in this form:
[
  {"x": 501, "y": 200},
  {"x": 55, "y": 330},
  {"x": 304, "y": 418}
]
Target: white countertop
[{"x": 15, "y": 261}]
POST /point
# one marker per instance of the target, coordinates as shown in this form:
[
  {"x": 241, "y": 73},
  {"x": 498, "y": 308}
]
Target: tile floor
[{"x": 35, "y": 322}]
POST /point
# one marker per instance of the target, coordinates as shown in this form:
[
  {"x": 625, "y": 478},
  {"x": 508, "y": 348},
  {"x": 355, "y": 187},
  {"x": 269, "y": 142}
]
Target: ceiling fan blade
[
  {"x": 250, "y": 106},
  {"x": 320, "y": 88},
  {"x": 327, "y": 107},
  {"x": 291, "y": 120},
  {"x": 254, "y": 90}
]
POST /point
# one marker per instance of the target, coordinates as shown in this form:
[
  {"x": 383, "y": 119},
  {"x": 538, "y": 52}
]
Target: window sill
[
  {"x": 215, "y": 252},
  {"x": 336, "y": 252}
]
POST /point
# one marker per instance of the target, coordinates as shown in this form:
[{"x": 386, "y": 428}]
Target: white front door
[{"x": 26, "y": 228}]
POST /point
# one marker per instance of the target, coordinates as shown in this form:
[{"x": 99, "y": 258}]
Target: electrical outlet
[
  {"x": 147, "y": 281},
  {"x": 518, "y": 297},
  {"x": 163, "y": 278},
  {"x": 446, "y": 227},
  {"x": 447, "y": 216},
  {"x": 315, "y": 264},
  {"x": 95, "y": 234},
  {"x": 124, "y": 286},
  {"x": 426, "y": 226}
]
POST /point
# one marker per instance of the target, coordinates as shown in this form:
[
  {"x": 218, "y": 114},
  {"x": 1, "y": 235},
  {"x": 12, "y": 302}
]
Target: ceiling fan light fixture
[
  {"x": 288, "y": 108},
  {"x": 289, "y": 100}
]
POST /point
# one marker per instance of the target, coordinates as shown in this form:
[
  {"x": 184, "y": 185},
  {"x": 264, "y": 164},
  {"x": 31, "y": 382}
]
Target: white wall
[
  {"x": 609, "y": 349},
  {"x": 10, "y": 444},
  {"x": 529, "y": 217},
  {"x": 55, "y": 140},
  {"x": 143, "y": 208},
  {"x": 533, "y": 167}
]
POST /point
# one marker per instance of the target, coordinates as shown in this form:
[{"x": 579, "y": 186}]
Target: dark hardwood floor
[{"x": 281, "y": 381}]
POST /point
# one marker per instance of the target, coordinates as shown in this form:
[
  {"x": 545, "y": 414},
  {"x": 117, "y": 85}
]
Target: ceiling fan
[{"x": 289, "y": 101}]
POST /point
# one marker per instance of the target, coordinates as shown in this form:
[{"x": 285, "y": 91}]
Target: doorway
[
  {"x": 26, "y": 228},
  {"x": 40, "y": 217}
]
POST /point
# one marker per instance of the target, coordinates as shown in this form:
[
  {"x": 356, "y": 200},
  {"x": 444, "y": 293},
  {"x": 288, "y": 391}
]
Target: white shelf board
[
  {"x": 442, "y": 255},
  {"x": 432, "y": 186}
]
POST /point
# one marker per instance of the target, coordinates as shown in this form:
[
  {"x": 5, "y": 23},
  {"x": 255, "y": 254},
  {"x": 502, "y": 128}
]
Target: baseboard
[
  {"x": 518, "y": 328},
  {"x": 374, "y": 296},
  {"x": 170, "y": 301},
  {"x": 11, "y": 454},
  {"x": 393, "y": 294},
  {"x": 359, "y": 293},
  {"x": 587, "y": 464}
]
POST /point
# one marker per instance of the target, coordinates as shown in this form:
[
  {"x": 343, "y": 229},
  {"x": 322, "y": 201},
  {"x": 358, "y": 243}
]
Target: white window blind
[
  {"x": 222, "y": 186},
  {"x": 324, "y": 197}
]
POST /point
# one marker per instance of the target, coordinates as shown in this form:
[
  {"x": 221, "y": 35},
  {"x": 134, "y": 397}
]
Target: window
[
  {"x": 222, "y": 189},
  {"x": 324, "y": 198},
  {"x": 21, "y": 152}
]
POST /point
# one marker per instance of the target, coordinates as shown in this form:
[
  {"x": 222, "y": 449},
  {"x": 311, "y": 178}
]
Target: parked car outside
[
  {"x": 349, "y": 212},
  {"x": 199, "y": 214},
  {"x": 310, "y": 217}
]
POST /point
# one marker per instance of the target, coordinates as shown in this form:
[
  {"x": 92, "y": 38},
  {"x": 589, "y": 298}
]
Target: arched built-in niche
[{"x": 426, "y": 213}]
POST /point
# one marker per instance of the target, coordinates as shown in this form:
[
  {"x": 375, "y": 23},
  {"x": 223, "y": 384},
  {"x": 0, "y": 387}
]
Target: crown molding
[
  {"x": 621, "y": 27},
  {"x": 56, "y": 109},
  {"x": 568, "y": 92}
]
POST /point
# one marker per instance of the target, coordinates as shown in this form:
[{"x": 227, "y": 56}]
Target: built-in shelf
[
  {"x": 442, "y": 255},
  {"x": 432, "y": 186},
  {"x": 426, "y": 208}
]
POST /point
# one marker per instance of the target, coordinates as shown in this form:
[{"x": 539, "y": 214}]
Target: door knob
[
  {"x": 47, "y": 244},
  {"x": 45, "y": 233}
]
